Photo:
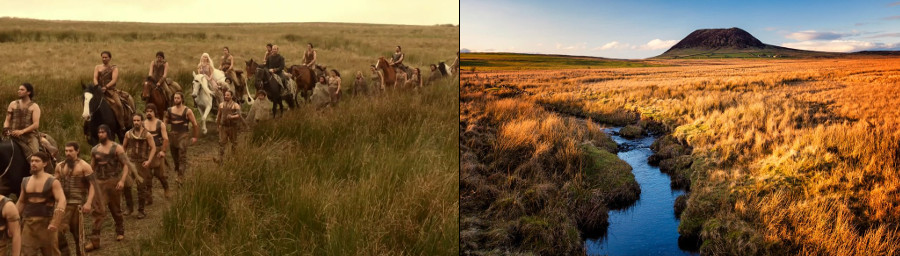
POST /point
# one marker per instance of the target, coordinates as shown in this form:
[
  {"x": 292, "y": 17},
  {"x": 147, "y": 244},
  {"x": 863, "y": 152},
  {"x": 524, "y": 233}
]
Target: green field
[{"x": 515, "y": 61}]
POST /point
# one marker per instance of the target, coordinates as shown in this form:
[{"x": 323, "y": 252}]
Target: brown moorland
[{"x": 780, "y": 156}]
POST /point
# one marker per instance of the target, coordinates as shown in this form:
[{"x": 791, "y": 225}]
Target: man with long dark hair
[
  {"x": 79, "y": 186},
  {"x": 111, "y": 163}
]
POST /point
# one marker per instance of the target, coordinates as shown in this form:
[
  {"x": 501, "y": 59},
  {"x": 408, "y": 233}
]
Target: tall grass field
[{"x": 375, "y": 175}]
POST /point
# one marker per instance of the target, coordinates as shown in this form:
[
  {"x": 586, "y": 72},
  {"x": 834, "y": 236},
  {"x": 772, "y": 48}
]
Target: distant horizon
[
  {"x": 632, "y": 30},
  {"x": 213, "y": 23}
]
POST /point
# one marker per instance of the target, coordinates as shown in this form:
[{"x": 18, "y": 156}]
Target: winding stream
[{"x": 649, "y": 226}]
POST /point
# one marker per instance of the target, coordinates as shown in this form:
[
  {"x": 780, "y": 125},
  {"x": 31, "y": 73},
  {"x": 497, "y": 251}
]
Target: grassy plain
[
  {"x": 780, "y": 156},
  {"x": 375, "y": 175},
  {"x": 517, "y": 61}
]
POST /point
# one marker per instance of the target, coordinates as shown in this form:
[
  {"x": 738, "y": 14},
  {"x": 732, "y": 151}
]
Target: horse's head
[
  {"x": 251, "y": 65},
  {"x": 379, "y": 61},
  {"x": 198, "y": 83},
  {"x": 90, "y": 92}
]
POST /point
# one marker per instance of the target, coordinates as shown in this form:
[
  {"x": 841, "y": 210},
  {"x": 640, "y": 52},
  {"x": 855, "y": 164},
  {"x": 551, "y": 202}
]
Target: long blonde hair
[{"x": 211, "y": 65}]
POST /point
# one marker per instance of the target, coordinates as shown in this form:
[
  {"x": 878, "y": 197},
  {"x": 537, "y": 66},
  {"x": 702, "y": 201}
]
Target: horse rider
[
  {"x": 227, "y": 66},
  {"x": 397, "y": 61},
  {"x": 159, "y": 70},
  {"x": 23, "y": 117},
  {"x": 268, "y": 53},
  {"x": 309, "y": 57},
  {"x": 275, "y": 64},
  {"x": 106, "y": 76}
]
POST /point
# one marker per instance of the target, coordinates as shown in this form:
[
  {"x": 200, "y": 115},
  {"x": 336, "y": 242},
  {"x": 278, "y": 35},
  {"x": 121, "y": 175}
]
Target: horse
[
  {"x": 153, "y": 93},
  {"x": 252, "y": 65},
  {"x": 204, "y": 99},
  {"x": 13, "y": 167},
  {"x": 268, "y": 82},
  {"x": 97, "y": 111},
  {"x": 305, "y": 79},
  {"x": 445, "y": 69},
  {"x": 241, "y": 91},
  {"x": 390, "y": 76},
  {"x": 320, "y": 70}
]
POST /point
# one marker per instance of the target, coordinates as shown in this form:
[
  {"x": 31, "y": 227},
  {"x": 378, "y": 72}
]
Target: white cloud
[
  {"x": 838, "y": 45},
  {"x": 655, "y": 44},
  {"x": 815, "y": 35},
  {"x": 611, "y": 45},
  {"x": 658, "y": 44}
]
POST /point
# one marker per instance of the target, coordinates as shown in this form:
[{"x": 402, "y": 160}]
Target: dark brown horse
[
  {"x": 305, "y": 78},
  {"x": 241, "y": 93},
  {"x": 389, "y": 74},
  {"x": 153, "y": 93},
  {"x": 251, "y": 71}
]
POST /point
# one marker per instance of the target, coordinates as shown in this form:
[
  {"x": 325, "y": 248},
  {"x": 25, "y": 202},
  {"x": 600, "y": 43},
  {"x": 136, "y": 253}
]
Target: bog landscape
[{"x": 722, "y": 145}]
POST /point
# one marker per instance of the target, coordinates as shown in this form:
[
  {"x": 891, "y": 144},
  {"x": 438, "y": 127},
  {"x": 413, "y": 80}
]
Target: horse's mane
[
  {"x": 203, "y": 84},
  {"x": 442, "y": 67}
]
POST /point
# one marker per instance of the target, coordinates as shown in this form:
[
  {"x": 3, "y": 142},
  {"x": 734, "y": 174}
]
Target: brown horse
[
  {"x": 241, "y": 93},
  {"x": 389, "y": 74},
  {"x": 153, "y": 93},
  {"x": 305, "y": 78},
  {"x": 251, "y": 70}
]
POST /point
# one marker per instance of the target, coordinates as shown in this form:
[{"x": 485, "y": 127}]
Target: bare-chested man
[
  {"x": 79, "y": 186},
  {"x": 109, "y": 161},
  {"x": 229, "y": 120},
  {"x": 159, "y": 70},
  {"x": 42, "y": 206},
  {"x": 140, "y": 147},
  {"x": 23, "y": 118},
  {"x": 157, "y": 167},
  {"x": 106, "y": 76},
  {"x": 10, "y": 230},
  {"x": 178, "y": 117}
]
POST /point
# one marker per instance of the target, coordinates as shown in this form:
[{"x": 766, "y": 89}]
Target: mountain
[{"x": 733, "y": 43}]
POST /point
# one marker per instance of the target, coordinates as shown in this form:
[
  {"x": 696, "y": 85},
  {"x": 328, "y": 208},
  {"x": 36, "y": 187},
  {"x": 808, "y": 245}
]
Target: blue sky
[{"x": 642, "y": 29}]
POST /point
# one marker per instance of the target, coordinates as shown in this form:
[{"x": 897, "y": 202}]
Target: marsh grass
[{"x": 786, "y": 156}]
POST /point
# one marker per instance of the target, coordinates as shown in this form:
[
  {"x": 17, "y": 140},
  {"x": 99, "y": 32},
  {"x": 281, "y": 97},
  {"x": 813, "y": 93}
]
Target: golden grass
[
  {"x": 789, "y": 156},
  {"x": 532, "y": 180},
  {"x": 374, "y": 176}
]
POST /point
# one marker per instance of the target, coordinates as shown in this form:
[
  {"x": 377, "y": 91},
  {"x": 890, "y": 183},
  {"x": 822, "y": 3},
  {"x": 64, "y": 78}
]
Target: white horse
[{"x": 203, "y": 97}]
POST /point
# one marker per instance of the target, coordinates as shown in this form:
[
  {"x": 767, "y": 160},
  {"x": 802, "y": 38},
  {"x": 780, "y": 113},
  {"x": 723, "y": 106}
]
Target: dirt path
[{"x": 136, "y": 229}]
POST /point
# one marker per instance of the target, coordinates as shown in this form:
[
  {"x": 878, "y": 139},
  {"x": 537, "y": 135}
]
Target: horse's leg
[{"x": 205, "y": 115}]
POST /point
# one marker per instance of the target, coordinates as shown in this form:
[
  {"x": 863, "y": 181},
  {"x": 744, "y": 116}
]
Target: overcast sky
[
  {"x": 411, "y": 12},
  {"x": 641, "y": 29}
]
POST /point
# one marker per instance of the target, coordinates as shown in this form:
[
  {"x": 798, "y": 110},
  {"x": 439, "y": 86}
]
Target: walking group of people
[
  {"x": 54, "y": 198},
  {"x": 52, "y": 201}
]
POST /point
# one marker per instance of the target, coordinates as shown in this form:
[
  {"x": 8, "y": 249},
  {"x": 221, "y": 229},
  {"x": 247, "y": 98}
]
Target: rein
[{"x": 9, "y": 163}]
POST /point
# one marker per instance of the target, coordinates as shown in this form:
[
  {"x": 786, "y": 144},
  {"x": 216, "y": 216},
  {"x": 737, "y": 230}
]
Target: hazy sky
[
  {"x": 641, "y": 29},
  {"x": 413, "y": 12}
]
